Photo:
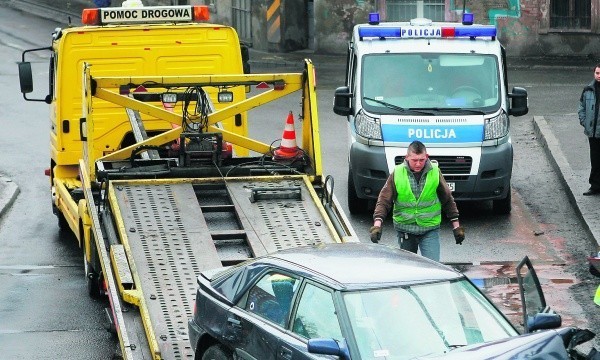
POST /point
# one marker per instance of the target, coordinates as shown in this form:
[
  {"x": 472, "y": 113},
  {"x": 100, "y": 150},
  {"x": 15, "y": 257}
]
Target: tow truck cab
[
  {"x": 126, "y": 41},
  {"x": 444, "y": 84}
]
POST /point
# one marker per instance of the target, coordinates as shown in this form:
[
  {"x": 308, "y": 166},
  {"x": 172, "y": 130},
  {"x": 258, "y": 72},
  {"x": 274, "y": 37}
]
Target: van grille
[{"x": 449, "y": 165}]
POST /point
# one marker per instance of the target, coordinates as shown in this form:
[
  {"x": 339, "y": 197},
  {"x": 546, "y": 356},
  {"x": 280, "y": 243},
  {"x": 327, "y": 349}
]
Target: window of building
[
  {"x": 404, "y": 10},
  {"x": 570, "y": 14}
]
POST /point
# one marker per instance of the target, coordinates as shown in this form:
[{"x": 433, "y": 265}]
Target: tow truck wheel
[
  {"x": 502, "y": 206},
  {"x": 217, "y": 352},
  {"x": 63, "y": 225},
  {"x": 92, "y": 278},
  {"x": 356, "y": 205}
]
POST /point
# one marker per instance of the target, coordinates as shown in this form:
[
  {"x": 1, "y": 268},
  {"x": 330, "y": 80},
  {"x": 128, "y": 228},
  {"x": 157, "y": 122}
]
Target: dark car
[{"x": 363, "y": 301}]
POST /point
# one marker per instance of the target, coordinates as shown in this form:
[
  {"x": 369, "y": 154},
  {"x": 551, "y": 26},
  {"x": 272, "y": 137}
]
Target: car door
[
  {"x": 262, "y": 316},
  {"x": 314, "y": 316}
]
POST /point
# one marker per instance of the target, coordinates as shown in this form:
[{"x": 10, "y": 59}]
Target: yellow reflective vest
[{"x": 425, "y": 211}]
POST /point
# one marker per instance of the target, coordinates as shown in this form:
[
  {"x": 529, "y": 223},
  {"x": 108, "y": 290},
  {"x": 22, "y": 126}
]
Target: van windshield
[{"x": 393, "y": 83}]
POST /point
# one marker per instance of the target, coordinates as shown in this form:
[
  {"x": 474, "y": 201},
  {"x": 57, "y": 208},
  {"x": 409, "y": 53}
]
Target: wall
[{"x": 523, "y": 25}]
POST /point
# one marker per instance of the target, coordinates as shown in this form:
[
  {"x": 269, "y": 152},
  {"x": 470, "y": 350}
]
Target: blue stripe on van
[{"x": 432, "y": 134}]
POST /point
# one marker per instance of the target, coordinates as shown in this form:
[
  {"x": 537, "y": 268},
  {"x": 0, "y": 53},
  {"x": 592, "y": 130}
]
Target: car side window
[
  {"x": 271, "y": 298},
  {"x": 316, "y": 316}
]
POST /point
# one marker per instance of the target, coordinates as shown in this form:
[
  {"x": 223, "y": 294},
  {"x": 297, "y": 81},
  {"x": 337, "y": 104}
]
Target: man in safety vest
[{"x": 418, "y": 192}]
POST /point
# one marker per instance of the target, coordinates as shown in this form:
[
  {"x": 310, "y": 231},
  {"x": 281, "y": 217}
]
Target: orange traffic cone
[{"x": 288, "y": 149}]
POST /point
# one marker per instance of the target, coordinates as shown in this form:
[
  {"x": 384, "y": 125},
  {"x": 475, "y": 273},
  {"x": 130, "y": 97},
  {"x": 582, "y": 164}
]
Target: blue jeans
[{"x": 428, "y": 243}]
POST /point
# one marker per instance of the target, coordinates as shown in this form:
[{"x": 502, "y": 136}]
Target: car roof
[{"x": 365, "y": 265}]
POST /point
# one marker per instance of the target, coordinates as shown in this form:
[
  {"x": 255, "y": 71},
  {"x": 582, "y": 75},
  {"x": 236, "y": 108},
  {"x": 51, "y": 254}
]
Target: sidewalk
[
  {"x": 8, "y": 193},
  {"x": 563, "y": 143}
]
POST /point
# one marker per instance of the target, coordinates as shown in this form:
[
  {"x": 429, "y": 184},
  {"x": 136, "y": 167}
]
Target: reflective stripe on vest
[{"x": 425, "y": 211}]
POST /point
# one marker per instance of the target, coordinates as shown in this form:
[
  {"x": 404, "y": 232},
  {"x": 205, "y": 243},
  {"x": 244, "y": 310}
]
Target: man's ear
[{"x": 426, "y": 156}]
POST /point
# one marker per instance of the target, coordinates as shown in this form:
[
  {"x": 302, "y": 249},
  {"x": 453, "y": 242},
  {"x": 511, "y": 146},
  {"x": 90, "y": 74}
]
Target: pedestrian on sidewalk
[
  {"x": 588, "y": 118},
  {"x": 418, "y": 193}
]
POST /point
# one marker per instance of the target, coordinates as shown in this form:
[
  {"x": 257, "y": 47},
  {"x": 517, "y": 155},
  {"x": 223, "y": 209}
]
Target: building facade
[{"x": 525, "y": 27}]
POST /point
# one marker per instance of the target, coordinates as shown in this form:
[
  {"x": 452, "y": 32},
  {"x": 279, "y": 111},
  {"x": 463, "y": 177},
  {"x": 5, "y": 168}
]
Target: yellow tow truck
[{"x": 153, "y": 170}]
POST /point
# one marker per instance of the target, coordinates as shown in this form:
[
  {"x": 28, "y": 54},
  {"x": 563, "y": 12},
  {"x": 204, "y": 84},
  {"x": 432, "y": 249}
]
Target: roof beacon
[
  {"x": 467, "y": 19},
  {"x": 374, "y": 18}
]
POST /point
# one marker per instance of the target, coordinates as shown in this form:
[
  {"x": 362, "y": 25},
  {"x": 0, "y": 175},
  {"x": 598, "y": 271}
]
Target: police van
[{"x": 444, "y": 84}]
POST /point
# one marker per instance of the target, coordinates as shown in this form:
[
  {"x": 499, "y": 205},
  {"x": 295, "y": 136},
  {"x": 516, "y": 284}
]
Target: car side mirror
[
  {"x": 341, "y": 101},
  {"x": 518, "y": 104},
  {"x": 329, "y": 347},
  {"x": 543, "y": 321}
]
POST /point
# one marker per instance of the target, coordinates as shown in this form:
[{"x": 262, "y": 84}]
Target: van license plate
[{"x": 451, "y": 186}]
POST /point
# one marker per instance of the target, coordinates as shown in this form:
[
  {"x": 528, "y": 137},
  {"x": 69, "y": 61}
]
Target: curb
[
  {"x": 8, "y": 193},
  {"x": 563, "y": 168}
]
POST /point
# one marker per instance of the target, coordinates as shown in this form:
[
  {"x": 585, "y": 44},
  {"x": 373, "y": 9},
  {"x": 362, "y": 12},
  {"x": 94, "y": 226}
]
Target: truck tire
[
  {"x": 356, "y": 205},
  {"x": 217, "y": 352},
  {"x": 63, "y": 225},
  {"x": 92, "y": 278},
  {"x": 502, "y": 206}
]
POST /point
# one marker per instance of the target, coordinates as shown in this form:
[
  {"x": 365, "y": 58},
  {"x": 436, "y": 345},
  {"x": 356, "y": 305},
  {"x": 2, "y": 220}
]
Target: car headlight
[
  {"x": 496, "y": 127},
  {"x": 367, "y": 127}
]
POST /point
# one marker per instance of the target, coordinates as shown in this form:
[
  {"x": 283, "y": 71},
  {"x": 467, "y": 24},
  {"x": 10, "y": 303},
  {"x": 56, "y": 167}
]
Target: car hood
[{"x": 540, "y": 345}]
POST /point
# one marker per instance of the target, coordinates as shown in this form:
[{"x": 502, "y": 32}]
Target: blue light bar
[
  {"x": 475, "y": 31},
  {"x": 378, "y": 32}
]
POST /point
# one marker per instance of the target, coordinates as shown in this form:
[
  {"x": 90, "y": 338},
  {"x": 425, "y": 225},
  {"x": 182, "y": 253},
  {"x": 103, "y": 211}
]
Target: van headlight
[
  {"x": 496, "y": 127},
  {"x": 367, "y": 127}
]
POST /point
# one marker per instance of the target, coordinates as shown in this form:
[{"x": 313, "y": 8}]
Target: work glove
[
  {"x": 459, "y": 235},
  {"x": 375, "y": 232}
]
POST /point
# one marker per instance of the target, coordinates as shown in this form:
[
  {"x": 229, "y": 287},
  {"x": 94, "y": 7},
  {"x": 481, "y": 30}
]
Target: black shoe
[{"x": 591, "y": 191}]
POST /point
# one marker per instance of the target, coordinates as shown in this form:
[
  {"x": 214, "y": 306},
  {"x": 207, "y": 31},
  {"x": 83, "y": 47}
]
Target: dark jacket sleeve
[
  {"x": 446, "y": 199},
  {"x": 385, "y": 200}
]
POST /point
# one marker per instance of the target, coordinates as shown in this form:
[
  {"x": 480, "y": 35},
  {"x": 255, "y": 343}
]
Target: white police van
[{"x": 444, "y": 84}]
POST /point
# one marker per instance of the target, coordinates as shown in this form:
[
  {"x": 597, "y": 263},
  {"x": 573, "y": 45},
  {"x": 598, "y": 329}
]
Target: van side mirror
[
  {"x": 341, "y": 101},
  {"x": 25, "y": 77},
  {"x": 518, "y": 101}
]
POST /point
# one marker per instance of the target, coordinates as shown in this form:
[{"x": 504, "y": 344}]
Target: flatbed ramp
[{"x": 174, "y": 230}]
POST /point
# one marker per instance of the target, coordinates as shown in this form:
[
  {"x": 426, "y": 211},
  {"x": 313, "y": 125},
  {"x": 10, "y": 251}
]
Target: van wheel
[
  {"x": 356, "y": 205},
  {"x": 502, "y": 206},
  {"x": 217, "y": 352},
  {"x": 593, "y": 271}
]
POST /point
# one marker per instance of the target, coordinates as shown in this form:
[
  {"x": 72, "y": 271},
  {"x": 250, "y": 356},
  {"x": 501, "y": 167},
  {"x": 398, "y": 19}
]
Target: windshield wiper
[
  {"x": 399, "y": 108},
  {"x": 386, "y": 104},
  {"x": 453, "y": 110}
]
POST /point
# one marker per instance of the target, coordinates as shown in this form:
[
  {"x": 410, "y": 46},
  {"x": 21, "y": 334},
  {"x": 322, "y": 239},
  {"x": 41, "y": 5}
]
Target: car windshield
[
  {"x": 406, "y": 322},
  {"x": 443, "y": 83}
]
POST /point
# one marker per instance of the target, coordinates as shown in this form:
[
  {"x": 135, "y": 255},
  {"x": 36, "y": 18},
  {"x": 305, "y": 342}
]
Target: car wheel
[
  {"x": 356, "y": 205},
  {"x": 502, "y": 206},
  {"x": 217, "y": 352}
]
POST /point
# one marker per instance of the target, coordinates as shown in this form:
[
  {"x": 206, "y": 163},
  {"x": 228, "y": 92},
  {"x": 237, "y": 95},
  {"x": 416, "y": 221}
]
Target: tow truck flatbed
[{"x": 173, "y": 229}]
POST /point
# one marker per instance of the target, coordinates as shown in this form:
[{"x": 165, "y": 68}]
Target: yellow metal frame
[{"x": 103, "y": 88}]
